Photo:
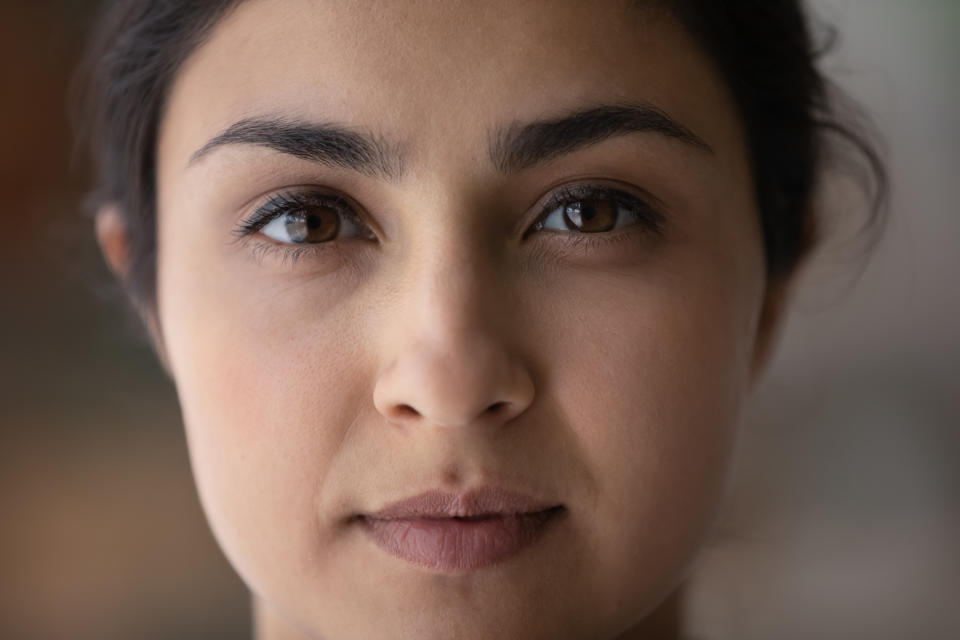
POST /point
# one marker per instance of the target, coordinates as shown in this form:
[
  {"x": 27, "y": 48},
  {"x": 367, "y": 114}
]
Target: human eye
[
  {"x": 305, "y": 218},
  {"x": 295, "y": 224},
  {"x": 596, "y": 209}
]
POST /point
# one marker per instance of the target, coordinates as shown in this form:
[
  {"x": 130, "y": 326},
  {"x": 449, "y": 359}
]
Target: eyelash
[
  {"x": 286, "y": 203},
  {"x": 293, "y": 202},
  {"x": 648, "y": 219}
]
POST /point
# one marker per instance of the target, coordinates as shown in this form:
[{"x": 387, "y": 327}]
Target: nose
[{"x": 449, "y": 359}]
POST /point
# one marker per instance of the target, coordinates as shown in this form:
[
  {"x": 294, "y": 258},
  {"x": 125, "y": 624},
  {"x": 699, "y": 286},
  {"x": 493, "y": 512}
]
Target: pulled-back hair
[{"x": 763, "y": 49}]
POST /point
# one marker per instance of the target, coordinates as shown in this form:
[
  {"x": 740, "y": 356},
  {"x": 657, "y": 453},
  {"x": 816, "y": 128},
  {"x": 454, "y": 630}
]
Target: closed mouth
[{"x": 456, "y": 532}]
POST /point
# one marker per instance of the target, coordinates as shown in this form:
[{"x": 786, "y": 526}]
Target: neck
[{"x": 663, "y": 623}]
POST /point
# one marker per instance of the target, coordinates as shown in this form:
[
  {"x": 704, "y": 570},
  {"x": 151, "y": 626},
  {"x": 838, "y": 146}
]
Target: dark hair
[{"x": 764, "y": 50}]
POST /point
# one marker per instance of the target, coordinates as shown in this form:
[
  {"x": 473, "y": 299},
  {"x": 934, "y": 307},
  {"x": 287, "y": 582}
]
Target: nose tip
[{"x": 424, "y": 387}]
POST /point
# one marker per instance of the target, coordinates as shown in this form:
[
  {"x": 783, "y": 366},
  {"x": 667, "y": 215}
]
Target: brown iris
[
  {"x": 591, "y": 216},
  {"x": 315, "y": 224}
]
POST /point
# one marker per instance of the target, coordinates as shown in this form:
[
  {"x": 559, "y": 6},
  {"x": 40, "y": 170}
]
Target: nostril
[
  {"x": 402, "y": 411},
  {"x": 496, "y": 407}
]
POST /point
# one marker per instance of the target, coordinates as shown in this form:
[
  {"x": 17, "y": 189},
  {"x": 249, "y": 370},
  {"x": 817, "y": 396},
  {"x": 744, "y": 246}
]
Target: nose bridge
[
  {"x": 454, "y": 294},
  {"x": 450, "y": 361}
]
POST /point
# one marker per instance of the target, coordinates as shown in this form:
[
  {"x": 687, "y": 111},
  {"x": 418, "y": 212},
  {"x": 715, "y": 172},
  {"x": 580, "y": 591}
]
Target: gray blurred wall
[{"x": 844, "y": 516}]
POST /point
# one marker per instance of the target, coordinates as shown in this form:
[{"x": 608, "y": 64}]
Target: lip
[{"x": 448, "y": 531}]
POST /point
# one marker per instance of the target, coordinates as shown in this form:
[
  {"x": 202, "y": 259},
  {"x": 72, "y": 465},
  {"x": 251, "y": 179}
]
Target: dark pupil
[
  {"x": 591, "y": 216},
  {"x": 318, "y": 224}
]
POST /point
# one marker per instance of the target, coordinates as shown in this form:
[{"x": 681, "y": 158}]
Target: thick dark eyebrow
[
  {"x": 521, "y": 146},
  {"x": 329, "y": 144}
]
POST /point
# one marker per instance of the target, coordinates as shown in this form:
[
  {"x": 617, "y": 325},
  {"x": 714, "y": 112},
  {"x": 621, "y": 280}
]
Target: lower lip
[{"x": 453, "y": 544}]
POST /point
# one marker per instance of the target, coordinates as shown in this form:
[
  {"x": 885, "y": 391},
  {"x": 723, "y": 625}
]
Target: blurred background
[{"x": 844, "y": 515}]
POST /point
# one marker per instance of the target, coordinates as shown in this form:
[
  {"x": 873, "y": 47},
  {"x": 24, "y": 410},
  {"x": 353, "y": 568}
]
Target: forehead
[{"x": 438, "y": 71}]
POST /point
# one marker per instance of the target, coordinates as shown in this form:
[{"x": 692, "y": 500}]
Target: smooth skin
[{"x": 456, "y": 345}]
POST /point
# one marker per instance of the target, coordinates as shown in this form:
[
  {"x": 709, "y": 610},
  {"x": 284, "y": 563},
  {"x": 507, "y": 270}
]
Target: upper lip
[{"x": 483, "y": 501}]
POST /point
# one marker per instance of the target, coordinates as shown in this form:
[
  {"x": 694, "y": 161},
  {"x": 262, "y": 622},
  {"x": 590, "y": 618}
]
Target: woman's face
[{"x": 461, "y": 301}]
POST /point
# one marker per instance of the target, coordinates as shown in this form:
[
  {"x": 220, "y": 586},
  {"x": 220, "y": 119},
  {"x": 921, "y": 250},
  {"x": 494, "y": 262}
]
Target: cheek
[
  {"x": 268, "y": 387},
  {"x": 651, "y": 379}
]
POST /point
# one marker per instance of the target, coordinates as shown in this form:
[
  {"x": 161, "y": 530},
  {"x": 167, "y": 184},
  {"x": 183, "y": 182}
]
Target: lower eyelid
[{"x": 290, "y": 254}]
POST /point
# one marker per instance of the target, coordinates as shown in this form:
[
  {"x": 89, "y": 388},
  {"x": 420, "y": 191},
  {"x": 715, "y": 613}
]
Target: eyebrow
[
  {"x": 513, "y": 148},
  {"x": 329, "y": 144},
  {"x": 521, "y": 146}
]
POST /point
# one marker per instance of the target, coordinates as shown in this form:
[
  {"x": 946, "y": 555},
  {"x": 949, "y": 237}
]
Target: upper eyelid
[
  {"x": 292, "y": 199},
  {"x": 570, "y": 193}
]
